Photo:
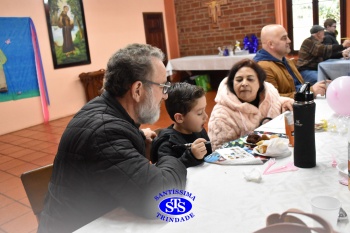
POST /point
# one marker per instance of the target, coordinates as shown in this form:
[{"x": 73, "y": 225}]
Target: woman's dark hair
[
  {"x": 246, "y": 63},
  {"x": 182, "y": 97}
]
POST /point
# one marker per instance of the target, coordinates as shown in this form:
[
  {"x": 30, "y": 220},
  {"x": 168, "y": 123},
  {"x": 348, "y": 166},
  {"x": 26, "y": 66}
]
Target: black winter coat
[
  {"x": 166, "y": 144},
  {"x": 101, "y": 165}
]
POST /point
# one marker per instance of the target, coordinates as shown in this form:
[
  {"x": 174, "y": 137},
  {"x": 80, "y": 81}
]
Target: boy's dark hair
[{"x": 182, "y": 98}]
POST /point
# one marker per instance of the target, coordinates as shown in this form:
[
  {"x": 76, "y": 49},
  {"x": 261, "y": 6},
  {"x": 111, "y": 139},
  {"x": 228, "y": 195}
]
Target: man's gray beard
[{"x": 148, "y": 111}]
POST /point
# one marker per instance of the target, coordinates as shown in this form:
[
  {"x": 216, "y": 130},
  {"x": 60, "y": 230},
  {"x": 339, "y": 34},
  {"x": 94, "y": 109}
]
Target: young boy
[{"x": 186, "y": 107}]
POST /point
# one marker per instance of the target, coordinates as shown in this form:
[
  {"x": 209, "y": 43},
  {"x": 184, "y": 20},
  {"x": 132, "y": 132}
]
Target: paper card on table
[{"x": 232, "y": 156}]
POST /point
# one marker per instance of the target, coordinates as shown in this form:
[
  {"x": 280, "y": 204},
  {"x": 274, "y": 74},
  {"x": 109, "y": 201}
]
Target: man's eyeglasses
[{"x": 165, "y": 86}]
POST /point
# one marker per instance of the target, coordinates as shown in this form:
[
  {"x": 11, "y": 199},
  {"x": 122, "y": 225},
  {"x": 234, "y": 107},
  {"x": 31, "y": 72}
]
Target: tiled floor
[{"x": 31, "y": 148}]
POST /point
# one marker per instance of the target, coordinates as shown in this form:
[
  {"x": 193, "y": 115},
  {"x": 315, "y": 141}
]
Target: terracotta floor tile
[
  {"x": 59, "y": 131},
  {"x": 24, "y": 133},
  {"x": 5, "y": 176},
  {"x": 17, "y": 171},
  {"x": 4, "y": 201},
  {"x": 13, "y": 211},
  {"x": 25, "y": 201},
  {"x": 9, "y": 138},
  {"x": 10, "y": 150},
  {"x": 50, "y": 150},
  {"x": 33, "y": 156},
  {"x": 40, "y": 136},
  {"x": 17, "y": 193},
  {"x": 23, "y": 224},
  {"x": 10, "y": 164},
  {"x": 41, "y": 146},
  {"x": 5, "y": 158},
  {"x": 20, "y": 141},
  {"x": 9, "y": 184},
  {"x": 4, "y": 145},
  {"x": 31, "y": 144},
  {"x": 44, "y": 160},
  {"x": 21, "y": 153}
]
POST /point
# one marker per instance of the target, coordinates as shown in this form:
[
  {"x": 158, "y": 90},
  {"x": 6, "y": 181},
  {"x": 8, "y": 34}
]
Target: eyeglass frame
[{"x": 165, "y": 85}]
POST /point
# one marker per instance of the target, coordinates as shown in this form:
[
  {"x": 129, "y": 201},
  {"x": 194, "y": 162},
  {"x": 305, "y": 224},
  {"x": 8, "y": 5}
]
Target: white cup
[{"x": 326, "y": 207}]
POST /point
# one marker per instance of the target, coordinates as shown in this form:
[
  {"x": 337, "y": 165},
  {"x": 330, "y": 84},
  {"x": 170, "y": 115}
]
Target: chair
[
  {"x": 287, "y": 223},
  {"x": 35, "y": 183}
]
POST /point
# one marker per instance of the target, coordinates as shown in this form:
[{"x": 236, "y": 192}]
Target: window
[{"x": 302, "y": 14}]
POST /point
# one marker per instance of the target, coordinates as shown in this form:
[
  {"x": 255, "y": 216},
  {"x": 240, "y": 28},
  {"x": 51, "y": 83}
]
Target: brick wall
[{"x": 198, "y": 36}]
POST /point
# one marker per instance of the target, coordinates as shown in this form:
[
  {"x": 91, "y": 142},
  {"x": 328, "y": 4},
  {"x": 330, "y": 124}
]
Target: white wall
[{"x": 110, "y": 24}]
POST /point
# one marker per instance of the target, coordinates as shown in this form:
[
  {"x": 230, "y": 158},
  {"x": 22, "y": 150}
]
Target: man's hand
[
  {"x": 150, "y": 135},
  {"x": 346, "y": 53},
  {"x": 346, "y": 43},
  {"x": 320, "y": 87},
  {"x": 198, "y": 148}
]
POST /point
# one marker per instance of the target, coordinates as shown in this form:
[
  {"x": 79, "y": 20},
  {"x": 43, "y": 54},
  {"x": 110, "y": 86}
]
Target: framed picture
[{"x": 67, "y": 32}]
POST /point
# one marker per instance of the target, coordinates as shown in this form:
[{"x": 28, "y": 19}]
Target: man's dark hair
[
  {"x": 182, "y": 97},
  {"x": 329, "y": 22},
  {"x": 128, "y": 65},
  {"x": 246, "y": 63}
]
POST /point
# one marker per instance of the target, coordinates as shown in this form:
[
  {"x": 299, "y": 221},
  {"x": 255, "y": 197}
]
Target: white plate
[
  {"x": 343, "y": 169},
  {"x": 270, "y": 155}
]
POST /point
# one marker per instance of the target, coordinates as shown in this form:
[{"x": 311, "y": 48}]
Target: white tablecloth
[
  {"x": 333, "y": 68},
  {"x": 205, "y": 62},
  {"x": 226, "y": 202}
]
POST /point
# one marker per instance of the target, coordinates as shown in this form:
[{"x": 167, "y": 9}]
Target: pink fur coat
[{"x": 231, "y": 119}]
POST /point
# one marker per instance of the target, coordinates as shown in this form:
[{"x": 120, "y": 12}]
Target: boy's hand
[{"x": 198, "y": 148}]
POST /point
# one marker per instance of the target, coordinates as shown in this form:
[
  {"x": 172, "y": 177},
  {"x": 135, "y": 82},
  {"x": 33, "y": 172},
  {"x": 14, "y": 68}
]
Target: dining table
[
  {"x": 227, "y": 202},
  {"x": 205, "y": 62},
  {"x": 332, "y": 69}
]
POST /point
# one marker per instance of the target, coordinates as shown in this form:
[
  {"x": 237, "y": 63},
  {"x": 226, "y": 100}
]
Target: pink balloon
[{"x": 338, "y": 95}]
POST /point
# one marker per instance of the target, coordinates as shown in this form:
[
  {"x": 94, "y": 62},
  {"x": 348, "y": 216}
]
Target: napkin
[
  {"x": 253, "y": 175},
  {"x": 277, "y": 147}
]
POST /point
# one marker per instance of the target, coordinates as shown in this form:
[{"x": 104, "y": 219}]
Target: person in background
[
  {"x": 330, "y": 26},
  {"x": 280, "y": 71},
  {"x": 243, "y": 101},
  {"x": 101, "y": 161},
  {"x": 312, "y": 52},
  {"x": 186, "y": 107}
]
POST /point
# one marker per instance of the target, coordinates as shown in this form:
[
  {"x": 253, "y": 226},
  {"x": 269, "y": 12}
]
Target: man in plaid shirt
[{"x": 312, "y": 52}]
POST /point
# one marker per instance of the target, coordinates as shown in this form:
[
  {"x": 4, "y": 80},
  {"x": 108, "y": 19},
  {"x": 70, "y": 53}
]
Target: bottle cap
[{"x": 304, "y": 94}]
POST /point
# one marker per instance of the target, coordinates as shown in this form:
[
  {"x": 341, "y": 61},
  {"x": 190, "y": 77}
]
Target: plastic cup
[
  {"x": 289, "y": 125},
  {"x": 326, "y": 207}
]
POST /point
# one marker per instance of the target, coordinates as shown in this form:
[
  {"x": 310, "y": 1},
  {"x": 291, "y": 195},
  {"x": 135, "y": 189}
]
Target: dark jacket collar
[{"x": 113, "y": 103}]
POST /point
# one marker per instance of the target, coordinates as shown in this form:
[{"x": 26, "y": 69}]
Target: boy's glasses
[{"x": 165, "y": 86}]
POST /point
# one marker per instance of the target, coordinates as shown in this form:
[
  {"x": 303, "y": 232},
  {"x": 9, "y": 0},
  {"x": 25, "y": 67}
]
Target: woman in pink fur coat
[{"x": 243, "y": 100}]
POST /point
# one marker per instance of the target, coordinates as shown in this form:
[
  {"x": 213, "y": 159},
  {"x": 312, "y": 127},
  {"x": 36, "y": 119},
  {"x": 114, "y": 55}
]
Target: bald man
[{"x": 280, "y": 71}]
